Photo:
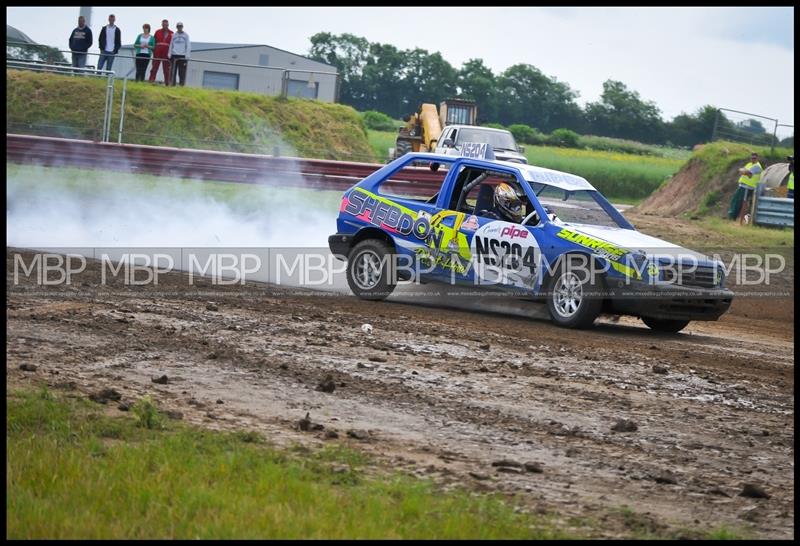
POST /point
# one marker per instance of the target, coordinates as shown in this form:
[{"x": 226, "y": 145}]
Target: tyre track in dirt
[{"x": 438, "y": 402}]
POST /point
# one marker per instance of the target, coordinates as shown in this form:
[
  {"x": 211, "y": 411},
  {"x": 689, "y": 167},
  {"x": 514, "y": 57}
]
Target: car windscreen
[
  {"x": 498, "y": 140},
  {"x": 573, "y": 207}
]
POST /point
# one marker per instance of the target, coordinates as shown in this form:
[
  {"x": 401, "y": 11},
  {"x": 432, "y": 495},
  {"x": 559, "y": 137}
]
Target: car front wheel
[
  {"x": 572, "y": 300},
  {"x": 369, "y": 270}
]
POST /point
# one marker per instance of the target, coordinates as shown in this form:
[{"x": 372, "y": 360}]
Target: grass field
[
  {"x": 72, "y": 107},
  {"x": 625, "y": 178},
  {"x": 75, "y": 471}
]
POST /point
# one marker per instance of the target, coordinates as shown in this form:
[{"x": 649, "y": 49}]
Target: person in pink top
[{"x": 161, "y": 54}]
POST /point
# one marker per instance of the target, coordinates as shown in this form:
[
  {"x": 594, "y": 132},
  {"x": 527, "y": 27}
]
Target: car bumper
[
  {"x": 670, "y": 301},
  {"x": 339, "y": 244}
]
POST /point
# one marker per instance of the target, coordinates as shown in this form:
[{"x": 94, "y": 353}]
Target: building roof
[
  {"x": 212, "y": 46},
  {"x": 14, "y": 35}
]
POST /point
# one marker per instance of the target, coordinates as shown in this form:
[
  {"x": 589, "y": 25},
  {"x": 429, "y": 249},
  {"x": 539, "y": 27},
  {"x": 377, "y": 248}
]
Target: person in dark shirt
[{"x": 79, "y": 43}]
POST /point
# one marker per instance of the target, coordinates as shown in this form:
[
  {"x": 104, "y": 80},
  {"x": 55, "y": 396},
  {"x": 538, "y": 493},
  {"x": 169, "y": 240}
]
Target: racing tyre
[
  {"x": 572, "y": 298},
  {"x": 402, "y": 148},
  {"x": 369, "y": 270},
  {"x": 665, "y": 325}
]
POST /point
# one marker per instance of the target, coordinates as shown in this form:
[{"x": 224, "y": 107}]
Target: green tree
[
  {"x": 476, "y": 81},
  {"x": 698, "y": 128},
  {"x": 622, "y": 113},
  {"x": 35, "y": 52},
  {"x": 526, "y": 95},
  {"x": 427, "y": 78},
  {"x": 349, "y": 54}
]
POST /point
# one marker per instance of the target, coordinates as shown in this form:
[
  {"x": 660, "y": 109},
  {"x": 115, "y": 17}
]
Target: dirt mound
[
  {"x": 705, "y": 185},
  {"x": 690, "y": 193}
]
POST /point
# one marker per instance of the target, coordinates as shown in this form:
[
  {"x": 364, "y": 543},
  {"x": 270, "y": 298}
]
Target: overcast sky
[{"x": 680, "y": 58}]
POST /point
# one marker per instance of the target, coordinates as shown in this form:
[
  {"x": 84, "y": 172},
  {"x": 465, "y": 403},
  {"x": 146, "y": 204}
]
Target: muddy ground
[{"x": 446, "y": 393}]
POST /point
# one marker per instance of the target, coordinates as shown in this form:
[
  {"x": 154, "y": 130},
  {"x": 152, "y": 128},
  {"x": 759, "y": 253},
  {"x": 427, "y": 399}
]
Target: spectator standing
[
  {"x": 748, "y": 181},
  {"x": 179, "y": 50},
  {"x": 143, "y": 46},
  {"x": 110, "y": 42},
  {"x": 79, "y": 43},
  {"x": 161, "y": 54}
]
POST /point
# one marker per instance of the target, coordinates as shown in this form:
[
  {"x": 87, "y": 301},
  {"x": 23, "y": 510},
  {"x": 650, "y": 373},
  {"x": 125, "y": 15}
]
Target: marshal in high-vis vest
[{"x": 748, "y": 181}]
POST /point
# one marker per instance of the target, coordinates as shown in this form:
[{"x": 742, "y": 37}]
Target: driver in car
[{"x": 507, "y": 205}]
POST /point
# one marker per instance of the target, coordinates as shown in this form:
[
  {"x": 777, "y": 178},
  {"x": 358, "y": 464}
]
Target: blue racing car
[{"x": 522, "y": 230}]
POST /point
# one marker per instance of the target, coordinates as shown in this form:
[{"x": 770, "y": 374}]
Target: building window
[
  {"x": 220, "y": 80},
  {"x": 300, "y": 88},
  {"x": 263, "y": 60}
]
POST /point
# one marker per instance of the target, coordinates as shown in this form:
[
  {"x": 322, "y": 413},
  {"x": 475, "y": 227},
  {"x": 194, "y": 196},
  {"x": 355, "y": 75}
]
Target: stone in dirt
[
  {"x": 210, "y": 306},
  {"x": 174, "y": 414},
  {"x": 219, "y": 401},
  {"x": 485, "y": 346},
  {"x": 358, "y": 434},
  {"x": 507, "y": 462},
  {"x": 163, "y": 380},
  {"x": 304, "y": 424},
  {"x": 533, "y": 466},
  {"x": 479, "y": 476},
  {"x": 625, "y": 425},
  {"x": 510, "y": 469},
  {"x": 27, "y": 367},
  {"x": 754, "y": 491},
  {"x": 327, "y": 384},
  {"x": 657, "y": 368},
  {"x": 717, "y": 491},
  {"x": 103, "y": 396},
  {"x": 665, "y": 476},
  {"x": 363, "y": 366},
  {"x": 377, "y": 359},
  {"x": 331, "y": 434},
  {"x": 124, "y": 406}
]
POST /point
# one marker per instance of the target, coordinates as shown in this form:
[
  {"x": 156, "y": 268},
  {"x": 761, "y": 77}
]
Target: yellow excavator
[{"x": 423, "y": 129}]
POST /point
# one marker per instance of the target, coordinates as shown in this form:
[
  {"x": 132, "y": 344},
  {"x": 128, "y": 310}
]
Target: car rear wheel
[
  {"x": 572, "y": 298},
  {"x": 665, "y": 325},
  {"x": 369, "y": 272}
]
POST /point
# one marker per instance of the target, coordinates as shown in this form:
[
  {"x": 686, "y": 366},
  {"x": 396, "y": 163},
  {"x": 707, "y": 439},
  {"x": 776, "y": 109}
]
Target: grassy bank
[
  {"x": 623, "y": 177},
  {"x": 72, "y": 107},
  {"x": 75, "y": 471}
]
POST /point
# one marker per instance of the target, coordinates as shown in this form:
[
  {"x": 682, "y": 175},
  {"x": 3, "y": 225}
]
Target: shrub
[
  {"x": 564, "y": 138},
  {"x": 378, "y": 121},
  {"x": 494, "y": 125},
  {"x": 146, "y": 413},
  {"x": 526, "y": 133}
]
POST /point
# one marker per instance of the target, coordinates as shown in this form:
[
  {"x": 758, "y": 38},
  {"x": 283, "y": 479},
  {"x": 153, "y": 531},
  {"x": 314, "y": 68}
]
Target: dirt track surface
[{"x": 445, "y": 393}]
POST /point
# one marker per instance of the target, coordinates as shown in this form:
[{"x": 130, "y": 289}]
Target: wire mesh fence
[{"x": 750, "y": 128}]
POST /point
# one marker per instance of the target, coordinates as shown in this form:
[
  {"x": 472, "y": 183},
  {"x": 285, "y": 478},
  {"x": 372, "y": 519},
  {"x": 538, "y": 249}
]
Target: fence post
[
  {"x": 122, "y": 109},
  {"x": 774, "y": 138},
  {"x": 714, "y": 129},
  {"x": 109, "y": 108},
  {"x": 285, "y": 84}
]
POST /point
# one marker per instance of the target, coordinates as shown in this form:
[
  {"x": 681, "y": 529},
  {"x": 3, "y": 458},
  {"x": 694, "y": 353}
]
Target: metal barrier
[
  {"x": 70, "y": 70},
  {"x": 772, "y": 211}
]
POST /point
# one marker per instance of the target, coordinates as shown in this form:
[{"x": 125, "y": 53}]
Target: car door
[{"x": 482, "y": 249}]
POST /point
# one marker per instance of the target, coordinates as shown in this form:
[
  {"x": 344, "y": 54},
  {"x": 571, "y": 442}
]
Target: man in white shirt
[
  {"x": 180, "y": 47},
  {"x": 110, "y": 41}
]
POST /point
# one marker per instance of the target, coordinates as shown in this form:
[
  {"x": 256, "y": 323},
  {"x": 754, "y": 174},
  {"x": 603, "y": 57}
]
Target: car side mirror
[
  {"x": 521, "y": 149},
  {"x": 448, "y": 143}
]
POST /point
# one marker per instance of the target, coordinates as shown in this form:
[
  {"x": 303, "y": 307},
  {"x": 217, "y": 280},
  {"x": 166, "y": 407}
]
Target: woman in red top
[{"x": 161, "y": 53}]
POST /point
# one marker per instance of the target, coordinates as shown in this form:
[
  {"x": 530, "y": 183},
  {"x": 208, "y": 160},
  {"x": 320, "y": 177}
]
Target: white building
[{"x": 214, "y": 66}]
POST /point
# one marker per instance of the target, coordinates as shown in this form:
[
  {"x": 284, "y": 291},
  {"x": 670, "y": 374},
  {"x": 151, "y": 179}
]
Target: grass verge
[
  {"x": 74, "y": 472},
  {"x": 72, "y": 107}
]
